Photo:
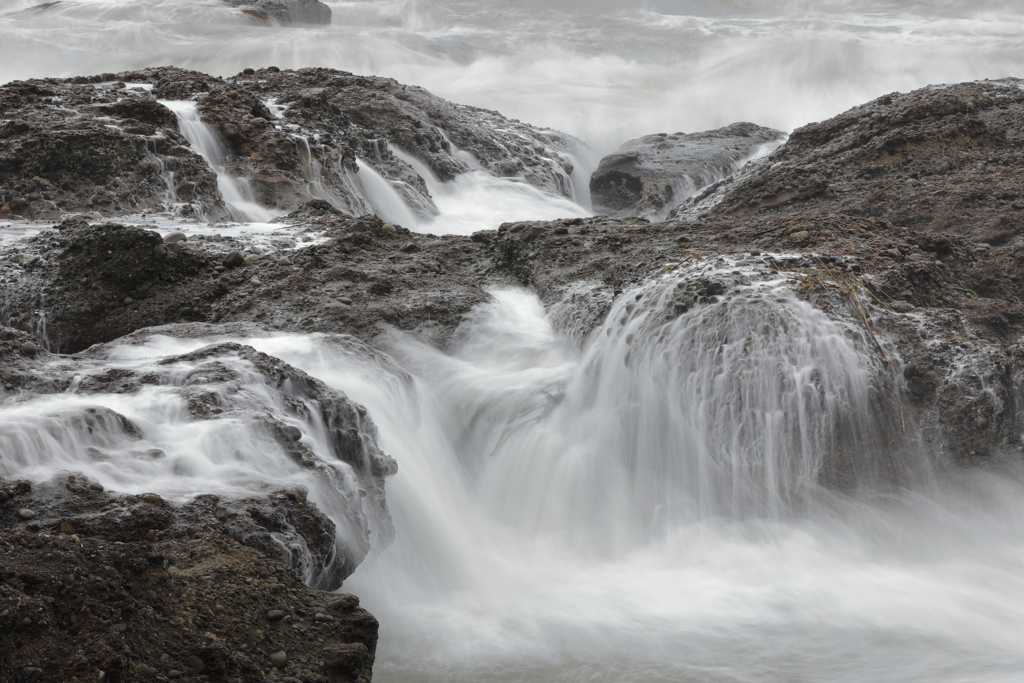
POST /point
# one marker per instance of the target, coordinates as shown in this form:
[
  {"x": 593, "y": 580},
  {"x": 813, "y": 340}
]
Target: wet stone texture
[
  {"x": 100, "y": 586},
  {"x": 902, "y": 218},
  {"x": 654, "y": 174},
  {"x": 94, "y": 144}
]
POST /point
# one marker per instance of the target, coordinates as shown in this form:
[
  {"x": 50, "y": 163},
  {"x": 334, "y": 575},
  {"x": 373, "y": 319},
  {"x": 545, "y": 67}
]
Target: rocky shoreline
[{"x": 903, "y": 217}]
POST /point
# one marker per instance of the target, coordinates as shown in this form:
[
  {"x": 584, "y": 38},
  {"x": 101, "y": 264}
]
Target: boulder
[
  {"x": 285, "y": 12},
  {"x": 95, "y": 144},
  {"x": 651, "y": 175}
]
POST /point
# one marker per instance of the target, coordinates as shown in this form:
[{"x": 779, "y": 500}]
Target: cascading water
[
  {"x": 385, "y": 198},
  {"x": 212, "y": 422},
  {"x": 710, "y": 487},
  {"x": 350, "y": 200},
  {"x": 706, "y": 489},
  {"x": 476, "y": 200},
  {"x": 236, "y": 191}
]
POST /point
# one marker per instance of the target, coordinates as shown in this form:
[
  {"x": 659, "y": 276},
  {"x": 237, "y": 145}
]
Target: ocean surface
[{"x": 603, "y": 511}]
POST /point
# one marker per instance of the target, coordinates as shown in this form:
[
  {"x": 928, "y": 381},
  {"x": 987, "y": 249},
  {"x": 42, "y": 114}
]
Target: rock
[
  {"x": 106, "y": 169},
  {"x": 95, "y": 486},
  {"x": 652, "y": 175},
  {"x": 348, "y": 661},
  {"x": 174, "y": 674},
  {"x": 275, "y": 615},
  {"x": 284, "y": 12},
  {"x": 144, "y": 670},
  {"x": 195, "y": 664},
  {"x": 252, "y": 257},
  {"x": 29, "y": 349},
  {"x": 29, "y": 674},
  {"x": 284, "y": 262},
  {"x": 234, "y": 259},
  {"x": 319, "y": 616},
  {"x": 175, "y": 237},
  {"x": 278, "y": 659},
  {"x": 345, "y": 116},
  {"x": 26, "y": 514},
  {"x": 910, "y": 371},
  {"x": 800, "y": 235},
  {"x": 409, "y": 247},
  {"x": 345, "y": 602}
]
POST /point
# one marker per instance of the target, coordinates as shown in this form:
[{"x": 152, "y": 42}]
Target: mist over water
[
  {"x": 645, "y": 504},
  {"x": 602, "y": 71}
]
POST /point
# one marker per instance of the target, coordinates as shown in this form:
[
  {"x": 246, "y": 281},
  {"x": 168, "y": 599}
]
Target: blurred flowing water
[
  {"x": 603, "y": 71},
  {"x": 719, "y": 495}
]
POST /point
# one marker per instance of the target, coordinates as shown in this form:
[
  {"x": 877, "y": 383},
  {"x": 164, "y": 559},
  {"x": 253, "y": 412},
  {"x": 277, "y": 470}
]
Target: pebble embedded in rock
[
  {"x": 285, "y": 261},
  {"x": 234, "y": 259},
  {"x": 174, "y": 674},
  {"x": 278, "y": 659},
  {"x": 195, "y": 664},
  {"x": 345, "y": 602},
  {"x": 96, "y": 486},
  {"x": 175, "y": 237},
  {"x": 275, "y": 615},
  {"x": 252, "y": 257},
  {"x": 798, "y": 235},
  {"x": 319, "y": 616},
  {"x": 29, "y": 349},
  {"x": 25, "y": 513},
  {"x": 144, "y": 670}
]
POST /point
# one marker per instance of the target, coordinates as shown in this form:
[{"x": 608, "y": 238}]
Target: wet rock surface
[
  {"x": 353, "y": 470},
  {"x": 285, "y": 12},
  {"x": 95, "y": 144},
  {"x": 898, "y": 218},
  {"x": 105, "y": 144},
  {"x": 101, "y": 585},
  {"x": 652, "y": 175},
  {"x": 336, "y": 117}
]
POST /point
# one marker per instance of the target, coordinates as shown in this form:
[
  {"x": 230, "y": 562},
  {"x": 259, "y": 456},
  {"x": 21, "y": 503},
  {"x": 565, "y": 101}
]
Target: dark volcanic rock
[
  {"x": 652, "y": 175},
  {"x": 105, "y": 144},
  {"x": 342, "y": 117},
  {"x": 115, "y": 279},
  {"x": 94, "y": 144},
  {"x": 133, "y": 586},
  {"x": 943, "y": 158},
  {"x": 293, "y": 531},
  {"x": 285, "y": 11},
  {"x": 899, "y": 218}
]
